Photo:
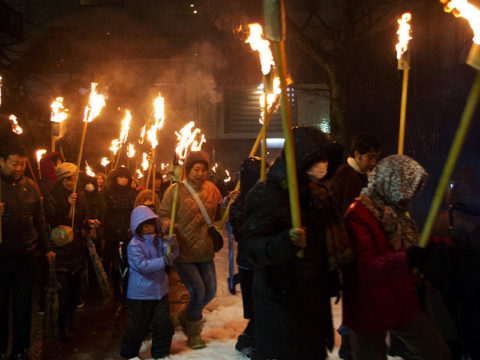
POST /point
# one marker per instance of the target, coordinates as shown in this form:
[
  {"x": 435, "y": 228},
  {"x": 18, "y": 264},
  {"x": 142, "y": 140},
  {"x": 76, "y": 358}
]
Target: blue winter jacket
[{"x": 148, "y": 280}]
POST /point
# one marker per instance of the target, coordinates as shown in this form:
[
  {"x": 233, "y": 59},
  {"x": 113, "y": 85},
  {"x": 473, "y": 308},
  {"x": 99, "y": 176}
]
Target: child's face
[{"x": 148, "y": 229}]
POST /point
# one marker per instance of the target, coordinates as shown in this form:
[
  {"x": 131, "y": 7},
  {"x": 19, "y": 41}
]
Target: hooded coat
[
  {"x": 378, "y": 290},
  {"x": 293, "y": 317},
  {"x": 148, "y": 279}
]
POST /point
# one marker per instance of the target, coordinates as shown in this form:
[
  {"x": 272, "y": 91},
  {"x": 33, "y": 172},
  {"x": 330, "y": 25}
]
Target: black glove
[
  {"x": 168, "y": 259},
  {"x": 416, "y": 256}
]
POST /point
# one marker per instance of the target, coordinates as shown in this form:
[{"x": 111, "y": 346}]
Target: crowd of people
[{"x": 357, "y": 242}]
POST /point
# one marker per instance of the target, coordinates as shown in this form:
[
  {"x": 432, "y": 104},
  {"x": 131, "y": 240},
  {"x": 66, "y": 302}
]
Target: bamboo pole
[
  {"x": 154, "y": 167},
  {"x": 82, "y": 143},
  {"x": 403, "y": 112},
  {"x": 263, "y": 163},
  {"x": 53, "y": 143},
  {"x": 453, "y": 154},
  {"x": 1, "y": 233},
  {"x": 173, "y": 214}
]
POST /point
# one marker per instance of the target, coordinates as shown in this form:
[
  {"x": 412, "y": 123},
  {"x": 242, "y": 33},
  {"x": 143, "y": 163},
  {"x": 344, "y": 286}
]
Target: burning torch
[
  {"x": 274, "y": 13},
  {"x": 403, "y": 57},
  {"x": 123, "y": 134},
  {"x": 58, "y": 114},
  {"x": 92, "y": 110},
  {"x": 159, "y": 115},
  {"x": 186, "y": 142},
  {"x": 270, "y": 91},
  {"x": 460, "y": 8},
  {"x": 39, "y": 154}
]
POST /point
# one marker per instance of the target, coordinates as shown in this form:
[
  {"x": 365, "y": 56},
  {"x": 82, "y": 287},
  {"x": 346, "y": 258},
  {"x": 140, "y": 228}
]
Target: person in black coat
[
  {"x": 67, "y": 242},
  {"x": 249, "y": 175},
  {"x": 119, "y": 203},
  {"x": 293, "y": 317},
  {"x": 24, "y": 240}
]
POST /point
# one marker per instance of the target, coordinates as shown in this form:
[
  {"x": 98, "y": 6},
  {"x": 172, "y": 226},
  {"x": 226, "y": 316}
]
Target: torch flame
[
  {"x": 139, "y": 174},
  {"x": 57, "y": 114},
  {"x": 228, "y": 176},
  {"x": 96, "y": 103},
  {"x": 258, "y": 43},
  {"x": 104, "y": 161},
  {"x": 186, "y": 141},
  {"x": 142, "y": 135},
  {"x": 115, "y": 146},
  {"x": 214, "y": 168},
  {"x": 131, "y": 151},
  {"x": 145, "y": 163},
  {"x": 125, "y": 126},
  {"x": 40, "y": 153},
  {"x": 88, "y": 170},
  {"x": 403, "y": 34},
  {"x": 462, "y": 8},
  {"x": 271, "y": 98},
  {"x": 15, "y": 127},
  {"x": 159, "y": 114},
  {"x": 152, "y": 136}
]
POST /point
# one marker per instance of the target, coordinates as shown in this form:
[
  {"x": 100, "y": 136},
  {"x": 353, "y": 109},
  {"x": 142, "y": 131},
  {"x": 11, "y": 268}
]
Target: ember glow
[
  {"x": 125, "y": 126},
  {"x": 403, "y": 34},
  {"x": 145, "y": 163},
  {"x": 95, "y": 105},
  {"x": 131, "y": 151},
  {"x": 258, "y": 43},
  {"x": 40, "y": 153},
  {"x": 186, "y": 141},
  {"x": 115, "y": 146},
  {"x": 214, "y": 168},
  {"x": 59, "y": 113},
  {"x": 88, "y": 170},
  {"x": 15, "y": 127},
  {"x": 139, "y": 174},
  {"x": 104, "y": 161},
  {"x": 462, "y": 8}
]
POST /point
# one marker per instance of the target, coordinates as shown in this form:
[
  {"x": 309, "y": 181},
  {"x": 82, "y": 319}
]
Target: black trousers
[
  {"x": 16, "y": 281},
  {"x": 68, "y": 295},
  {"x": 142, "y": 314}
]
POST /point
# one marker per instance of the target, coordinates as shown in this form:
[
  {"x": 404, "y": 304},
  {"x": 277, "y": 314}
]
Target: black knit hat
[
  {"x": 249, "y": 174},
  {"x": 195, "y": 157}
]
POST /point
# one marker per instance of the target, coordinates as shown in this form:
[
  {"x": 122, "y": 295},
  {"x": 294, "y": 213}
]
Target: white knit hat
[{"x": 65, "y": 169}]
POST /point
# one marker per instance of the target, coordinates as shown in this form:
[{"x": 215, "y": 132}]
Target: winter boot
[
  {"x": 194, "y": 328},
  {"x": 181, "y": 318}
]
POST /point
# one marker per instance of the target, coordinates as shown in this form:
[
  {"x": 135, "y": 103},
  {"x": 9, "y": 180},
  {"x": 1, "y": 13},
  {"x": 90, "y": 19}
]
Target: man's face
[
  {"x": 198, "y": 173},
  {"x": 366, "y": 162},
  {"x": 100, "y": 180},
  {"x": 69, "y": 182},
  {"x": 13, "y": 166}
]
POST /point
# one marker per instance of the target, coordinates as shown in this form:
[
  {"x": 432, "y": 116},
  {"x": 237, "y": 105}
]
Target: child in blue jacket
[{"x": 148, "y": 285}]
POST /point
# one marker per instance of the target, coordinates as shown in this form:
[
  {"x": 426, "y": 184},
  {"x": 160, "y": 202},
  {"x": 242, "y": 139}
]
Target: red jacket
[{"x": 378, "y": 291}]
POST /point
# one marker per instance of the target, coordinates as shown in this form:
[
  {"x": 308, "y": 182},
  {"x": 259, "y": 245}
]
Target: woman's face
[
  {"x": 122, "y": 181},
  {"x": 318, "y": 170},
  {"x": 100, "y": 180},
  {"x": 198, "y": 173}
]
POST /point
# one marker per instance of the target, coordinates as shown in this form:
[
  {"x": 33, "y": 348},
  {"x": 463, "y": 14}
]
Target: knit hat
[
  {"x": 195, "y": 157},
  {"x": 65, "y": 169}
]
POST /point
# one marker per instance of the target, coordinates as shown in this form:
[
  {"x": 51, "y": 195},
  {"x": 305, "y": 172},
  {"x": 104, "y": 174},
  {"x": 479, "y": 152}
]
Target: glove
[
  {"x": 416, "y": 256},
  {"x": 172, "y": 242},
  {"x": 298, "y": 237},
  {"x": 168, "y": 259}
]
